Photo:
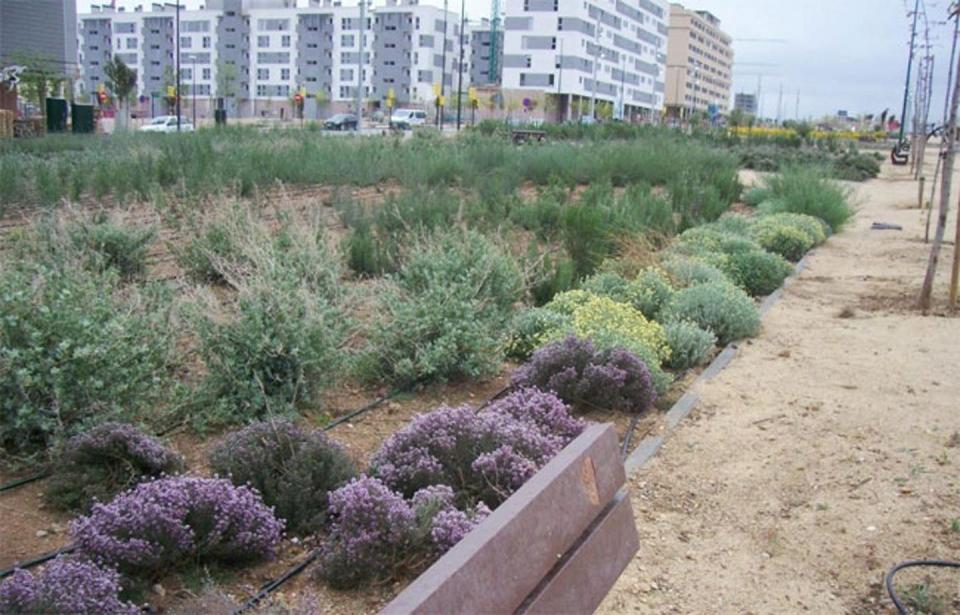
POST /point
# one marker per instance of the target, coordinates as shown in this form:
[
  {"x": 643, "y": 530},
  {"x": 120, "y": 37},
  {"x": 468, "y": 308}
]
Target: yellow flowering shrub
[{"x": 602, "y": 316}]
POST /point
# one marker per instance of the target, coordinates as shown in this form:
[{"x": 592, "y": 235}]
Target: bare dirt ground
[{"x": 825, "y": 453}]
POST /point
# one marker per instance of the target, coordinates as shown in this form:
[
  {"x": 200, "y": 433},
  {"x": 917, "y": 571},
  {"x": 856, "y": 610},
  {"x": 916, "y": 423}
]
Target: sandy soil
[{"x": 825, "y": 453}]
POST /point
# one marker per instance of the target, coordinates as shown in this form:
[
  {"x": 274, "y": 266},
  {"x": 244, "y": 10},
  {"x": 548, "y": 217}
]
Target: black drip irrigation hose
[
  {"x": 46, "y": 557},
  {"x": 901, "y": 609},
  {"x": 368, "y": 407},
  {"x": 271, "y": 586},
  {"x": 24, "y": 481}
]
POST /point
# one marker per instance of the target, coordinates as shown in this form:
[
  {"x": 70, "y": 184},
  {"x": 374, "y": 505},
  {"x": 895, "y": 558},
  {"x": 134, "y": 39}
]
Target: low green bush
[
  {"x": 689, "y": 344},
  {"x": 689, "y": 271},
  {"x": 807, "y": 190},
  {"x": 647, "y": 293},
  {"x": 531, "y": 329},
  {"x": 445, "y": 314},
  {"x": 276, "y": 354},
  {"x": 293, "y": 470},
  {"x": 77, "y": 349},
  {"x": 719, "y": 307},
  {"x": 112, "y": 246},
  {"x": 755, "y": 196},
  {"x": 757, "y": 271},
  {"x": 815, "y": 228},
  {"x": 734, "y": 224},
  {"x": 785, "y": 240}
]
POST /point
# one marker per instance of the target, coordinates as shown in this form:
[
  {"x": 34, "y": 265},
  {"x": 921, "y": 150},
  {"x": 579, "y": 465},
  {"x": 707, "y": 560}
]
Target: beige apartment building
[{"x": 699, "y": 63}]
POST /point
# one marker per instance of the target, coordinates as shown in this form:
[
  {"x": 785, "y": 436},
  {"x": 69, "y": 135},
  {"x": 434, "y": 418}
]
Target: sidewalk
[{"x": 825, "y": 453}]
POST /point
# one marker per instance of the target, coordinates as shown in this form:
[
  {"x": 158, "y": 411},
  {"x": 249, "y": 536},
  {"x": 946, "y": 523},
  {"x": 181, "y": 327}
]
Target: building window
[
  {"x": 285, "y": 74},
  {"x": 206, "y": 42},
  {"x": 185, "y": 42},
  {"x": 131, "y": 43},
  {"x": 206, "y": 74},
  {"x": 347, "y": 40},
  {"x": 263, "y": 41},
  {"x": 186, "y": 74},
  {"x": 285, "y": 40},
  {"x": 346, "y": 74},
  {"x": 263, "y": 74}
]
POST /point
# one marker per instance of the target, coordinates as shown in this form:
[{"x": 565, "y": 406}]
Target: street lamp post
[
  {"x": 177, "y": 48},
  {"x": 443, "y": 69},
  {"x": 362, "y": 37},
  {"x": 463, "y": 23}
]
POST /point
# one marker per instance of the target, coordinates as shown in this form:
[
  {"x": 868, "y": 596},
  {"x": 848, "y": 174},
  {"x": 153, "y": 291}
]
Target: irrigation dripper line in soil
[
  {"x": 271, "y": 586},
  {"x": 901, "y": 609},
  {"x": 46, "y": 557},
  {"x": 25, "y": 480}
]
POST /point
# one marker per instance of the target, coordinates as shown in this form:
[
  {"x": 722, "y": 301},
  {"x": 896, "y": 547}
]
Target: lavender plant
[
  {"x": 613, "y": 379},
  {"x": 102, "y": 462},
  {"x": 65, "y": 585},
  {"x": 292, "y": 470},
  {"x": 482, "y": 456},
  {"x": 375, "y": 534},
  {"x": 160, "y": 524}
]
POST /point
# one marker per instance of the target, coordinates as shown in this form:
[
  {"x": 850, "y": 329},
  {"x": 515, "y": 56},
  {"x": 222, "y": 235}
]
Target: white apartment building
[
  {"x": 613, "y": 51},
  {"x": 275, "y": 48}
]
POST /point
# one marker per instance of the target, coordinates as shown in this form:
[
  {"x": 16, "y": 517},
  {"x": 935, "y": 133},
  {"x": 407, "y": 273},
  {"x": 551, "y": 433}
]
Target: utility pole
[
  {"x": 193, "y": 91},
  {"x": 945, "y": 185},
  {"x": 463, "y": 25},
  {"x": 443, "y": 70},
  {"x": 946, "y": 115},
  {"x": 363, "y": 46},
  {"x": 177, "y": 47},
  {"x": 906, "y": 85}
]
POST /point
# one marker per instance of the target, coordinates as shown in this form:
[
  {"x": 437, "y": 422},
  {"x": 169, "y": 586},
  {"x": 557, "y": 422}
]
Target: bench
[
  {"x": 557, "y": 545},
  {"x": 521, "y": 136}
]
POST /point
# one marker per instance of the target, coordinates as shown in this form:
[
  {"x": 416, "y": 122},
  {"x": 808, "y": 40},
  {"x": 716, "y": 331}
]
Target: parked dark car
[{"x": 341, "y": 121}]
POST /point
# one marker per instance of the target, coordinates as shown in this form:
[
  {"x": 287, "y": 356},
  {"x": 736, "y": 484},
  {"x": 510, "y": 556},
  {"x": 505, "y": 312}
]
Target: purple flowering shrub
[
  {"x": 483, "y": 457},
  {"x": 159, "y": 524},
  {"x": 292, "y": 470},
  {"x": 376, "y": 534},
  {"x": 613, "y": 379},
  {"x": 102, "y": 462},
  {"x": 65, "y": 585}
]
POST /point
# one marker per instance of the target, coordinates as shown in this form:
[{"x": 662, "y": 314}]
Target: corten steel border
[
  {"x": 497, "y": 566},
  {"x": 581, "y": 580}
]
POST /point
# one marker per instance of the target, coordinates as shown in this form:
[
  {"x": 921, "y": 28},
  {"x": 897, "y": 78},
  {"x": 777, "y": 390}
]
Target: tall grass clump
[
  {"x": 807, "y": 190},
  {"x": 445, "y": 312}
]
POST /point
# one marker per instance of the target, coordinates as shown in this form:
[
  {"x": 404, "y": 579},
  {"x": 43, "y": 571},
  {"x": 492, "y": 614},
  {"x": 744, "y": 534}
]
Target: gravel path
[{"x": 825, "y": 453}]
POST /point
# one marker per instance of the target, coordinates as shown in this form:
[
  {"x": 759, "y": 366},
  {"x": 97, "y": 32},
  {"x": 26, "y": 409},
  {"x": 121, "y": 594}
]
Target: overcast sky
[{"x": 849, "y": 54}]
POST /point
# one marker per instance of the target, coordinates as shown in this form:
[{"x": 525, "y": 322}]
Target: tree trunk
[{"x": 945, "y": 184}]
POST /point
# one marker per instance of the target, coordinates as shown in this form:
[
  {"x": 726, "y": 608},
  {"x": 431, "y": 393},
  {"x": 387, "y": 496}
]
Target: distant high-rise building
[
  {"x": 609, "y": 51},
  {"x": 262, "y": 52},
  {"x": 746, "y": 103},
  {"x": 44, "y": 28},
  {"x": 699, "y": 63}
]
